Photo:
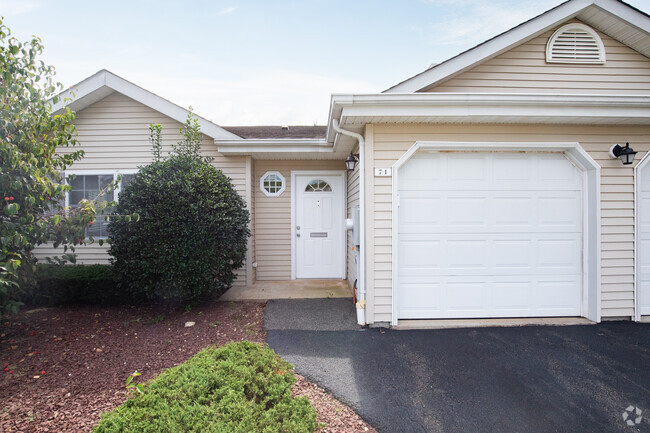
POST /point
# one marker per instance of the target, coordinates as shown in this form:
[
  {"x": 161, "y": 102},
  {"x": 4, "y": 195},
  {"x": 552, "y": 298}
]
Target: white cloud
[
  {"x": 9, "y": 8},
  {"x": 225, "y": 11}
]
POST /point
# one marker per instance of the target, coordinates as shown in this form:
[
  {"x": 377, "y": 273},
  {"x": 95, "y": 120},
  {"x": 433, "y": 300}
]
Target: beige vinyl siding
[
  {"x": 352, "y": 200},
  {"x": 114, "y": 134},
  {"x": 524, "y": 70},
  {"x": 389, "y": 142},
  {"x": 273, "y": 218}
]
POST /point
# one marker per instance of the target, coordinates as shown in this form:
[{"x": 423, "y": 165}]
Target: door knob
[
  {"x": 297, "y": 235},
  {"x": 297, "y": 227}
]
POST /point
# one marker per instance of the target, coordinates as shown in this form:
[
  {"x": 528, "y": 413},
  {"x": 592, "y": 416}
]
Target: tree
[
  {"x": 193, "y": 226},
  {"x": 31, "y": 187}
]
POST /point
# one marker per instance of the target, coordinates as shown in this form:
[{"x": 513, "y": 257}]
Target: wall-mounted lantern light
[
  {"x": 625, "y": 153},
  {"x": 351, "y": 161}
]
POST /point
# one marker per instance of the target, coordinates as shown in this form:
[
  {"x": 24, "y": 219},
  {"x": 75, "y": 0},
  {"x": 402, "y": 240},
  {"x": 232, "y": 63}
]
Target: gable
[
  {"x": 524, "y": 69},
  {"x": 615, "y": 18}
]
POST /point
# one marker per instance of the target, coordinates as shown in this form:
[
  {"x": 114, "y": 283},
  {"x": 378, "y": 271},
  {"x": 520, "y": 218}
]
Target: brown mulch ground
[{"x": 64, "y": 366}]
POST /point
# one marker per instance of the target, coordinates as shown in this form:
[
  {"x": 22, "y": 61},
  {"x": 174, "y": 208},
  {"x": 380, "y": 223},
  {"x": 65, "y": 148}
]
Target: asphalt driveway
[{"x": 526, "y": 379}]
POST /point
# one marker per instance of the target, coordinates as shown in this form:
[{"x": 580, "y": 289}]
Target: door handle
[{"x": 297, "y": 235}]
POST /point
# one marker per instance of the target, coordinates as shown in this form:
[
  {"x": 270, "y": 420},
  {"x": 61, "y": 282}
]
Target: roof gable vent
[{"x": 575, "y": 43}]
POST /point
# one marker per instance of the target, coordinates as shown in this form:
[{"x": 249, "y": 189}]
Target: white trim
[
  {"x": 251, "y": 146},
  {"x": 342, "y": 174},
  {"x": 104, "y": 82},
  {"x": 455, "y": 107},
  {"x": 518, "y": 35},
  {"x": 644, "y": 161},
  {"x": 591, "y": 304},
  {"x": 601, "y": 55},
  {"x": 273, "y": 194}
]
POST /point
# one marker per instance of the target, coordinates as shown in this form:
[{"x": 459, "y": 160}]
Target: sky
[{"x": 256, "y": 62}]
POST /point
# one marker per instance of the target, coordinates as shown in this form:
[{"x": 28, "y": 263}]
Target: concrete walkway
[{"x": 292, "y": 289}]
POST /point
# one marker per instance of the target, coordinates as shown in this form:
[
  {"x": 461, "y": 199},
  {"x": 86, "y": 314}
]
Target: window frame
[
  {"x": 280, "y": 191},
  {"x": 113, "y": 172}
]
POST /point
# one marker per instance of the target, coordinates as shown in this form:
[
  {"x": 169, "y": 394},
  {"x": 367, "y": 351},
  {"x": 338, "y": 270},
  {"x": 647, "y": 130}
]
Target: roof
[
  {"x": 291, "y": 131},
  {"x": 615, "y": 18},
  {"x": 104, "y": 83}
]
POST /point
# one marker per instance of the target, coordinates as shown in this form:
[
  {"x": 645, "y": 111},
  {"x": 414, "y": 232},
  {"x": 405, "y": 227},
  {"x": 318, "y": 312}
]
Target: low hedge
[
  {"x": 239, "y": 387},
  {"x": 65, "y": 284}
]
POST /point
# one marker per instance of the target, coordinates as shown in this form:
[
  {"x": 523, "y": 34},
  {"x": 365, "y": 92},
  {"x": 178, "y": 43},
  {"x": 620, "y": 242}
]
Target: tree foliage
[
  {"x": 31, "y": 188},
  {"x": 193, "y": 226}
]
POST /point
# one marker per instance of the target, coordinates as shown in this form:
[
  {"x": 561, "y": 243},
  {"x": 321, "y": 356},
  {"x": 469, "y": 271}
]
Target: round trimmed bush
[{"x": 191, "y": 235}]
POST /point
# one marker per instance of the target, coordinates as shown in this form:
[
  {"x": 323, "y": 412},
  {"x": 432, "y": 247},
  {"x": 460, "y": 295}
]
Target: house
[{"x": 486, "y": 185}]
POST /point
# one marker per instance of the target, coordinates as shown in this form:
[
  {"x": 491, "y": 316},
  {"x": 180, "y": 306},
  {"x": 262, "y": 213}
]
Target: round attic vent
[{"x": 575, "y": 43}]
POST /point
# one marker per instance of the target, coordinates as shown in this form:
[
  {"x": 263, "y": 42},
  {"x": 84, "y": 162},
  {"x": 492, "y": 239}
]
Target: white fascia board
[
  {"x": 472, "y": 105},
  {"x": 80, "y": 96},
  {"x": 276, "y": 145},
  {"x": 511, "y": 38}
]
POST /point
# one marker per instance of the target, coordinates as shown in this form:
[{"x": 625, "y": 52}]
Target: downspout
[{"x": 361, "y": 304}]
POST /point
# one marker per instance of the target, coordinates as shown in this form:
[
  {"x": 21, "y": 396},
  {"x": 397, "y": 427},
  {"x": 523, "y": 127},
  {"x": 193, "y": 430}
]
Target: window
[
  {"x": 575, "y": 43},
  {"x": 318, "y": 185},
  {"x": 273, "y": 183},
  {"x": 88, "y": 186}
]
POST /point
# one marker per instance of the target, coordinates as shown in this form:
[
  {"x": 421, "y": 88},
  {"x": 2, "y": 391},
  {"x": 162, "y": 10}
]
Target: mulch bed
[{"x": 64, "y": 366}]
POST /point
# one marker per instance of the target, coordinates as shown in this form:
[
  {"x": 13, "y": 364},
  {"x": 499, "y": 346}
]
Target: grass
[{"x": 239, "y": 387}]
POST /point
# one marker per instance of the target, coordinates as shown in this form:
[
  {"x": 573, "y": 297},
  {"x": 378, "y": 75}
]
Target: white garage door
[
  {"x": 643, "y": 236},
  {"x": 489, "y": 235}
]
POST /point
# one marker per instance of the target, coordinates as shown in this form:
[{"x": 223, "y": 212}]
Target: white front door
[
  {"x": 319, "y": 231},
  {"x": 489, "y": 235}
]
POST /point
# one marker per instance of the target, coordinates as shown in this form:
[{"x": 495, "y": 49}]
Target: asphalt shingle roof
[{"x": 291, "y": 131}]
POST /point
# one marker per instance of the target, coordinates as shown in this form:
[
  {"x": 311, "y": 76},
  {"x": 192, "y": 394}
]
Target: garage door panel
[
  {"x": 467, "y": 169},
  {"x": 511, "y": 211},
  {"x": 498, "y": 242},
  {"x": 455, "y": 297},
  {"x": 464, "y": 211},
  {"x": 421, "y": 210},
  {"x": 510, "y": 255},
  {"x": 512, "y": 168}
]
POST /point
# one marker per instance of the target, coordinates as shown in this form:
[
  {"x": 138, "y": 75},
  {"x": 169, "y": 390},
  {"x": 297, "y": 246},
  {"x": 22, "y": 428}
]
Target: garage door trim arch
[{"x": 591, "y": 298}]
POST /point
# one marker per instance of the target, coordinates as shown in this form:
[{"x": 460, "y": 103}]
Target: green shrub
[
  {"x": 64, "y": 284},
  {"x": 240, "y": 387},
  {"x": 192, "y": 231}
]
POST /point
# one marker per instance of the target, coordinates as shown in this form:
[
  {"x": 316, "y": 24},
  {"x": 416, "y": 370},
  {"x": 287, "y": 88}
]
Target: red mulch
[{"x": 65, "y": 366}]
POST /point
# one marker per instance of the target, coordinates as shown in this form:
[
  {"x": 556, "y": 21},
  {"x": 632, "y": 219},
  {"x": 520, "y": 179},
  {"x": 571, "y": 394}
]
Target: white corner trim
[
  {"x": 591, "y": 302},
  {"x": 82, "y": 94},
  {"x": 644, "y": 161}
]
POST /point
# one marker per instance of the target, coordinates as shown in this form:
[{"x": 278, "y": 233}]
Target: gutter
[{"x": 361, "y": 303}]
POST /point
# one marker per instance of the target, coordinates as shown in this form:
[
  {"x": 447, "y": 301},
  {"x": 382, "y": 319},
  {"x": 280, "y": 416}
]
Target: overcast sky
[{"x": 261, "y": 62}]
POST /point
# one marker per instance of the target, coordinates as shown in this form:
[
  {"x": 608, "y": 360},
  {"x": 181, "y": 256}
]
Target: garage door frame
[
  {"x": 591, "y": 296},
  {"x": 640, "y": 166}
]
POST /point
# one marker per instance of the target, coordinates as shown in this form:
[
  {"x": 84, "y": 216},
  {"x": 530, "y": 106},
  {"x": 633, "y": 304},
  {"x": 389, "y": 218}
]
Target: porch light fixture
[
  {"x": 625, "y": 153},
  {"x": 351, "y": 161}
]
